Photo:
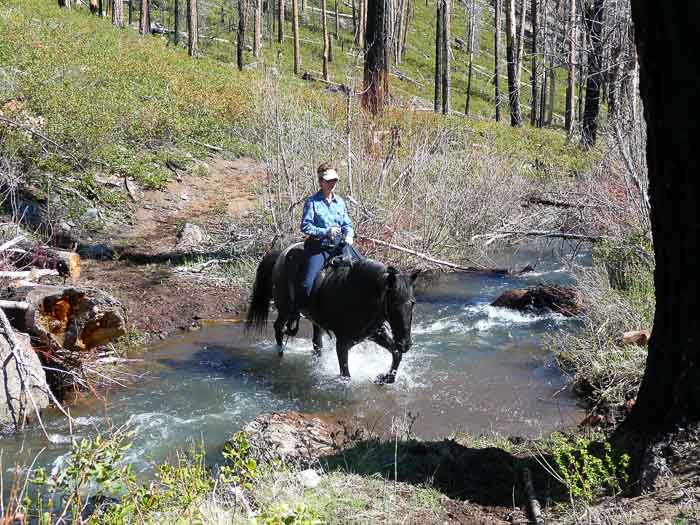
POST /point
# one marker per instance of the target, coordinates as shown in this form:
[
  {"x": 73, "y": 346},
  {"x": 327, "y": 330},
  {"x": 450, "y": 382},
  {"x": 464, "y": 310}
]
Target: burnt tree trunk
[
  {"x": 240, "y": 35},
  {"x": 594, "y": 27},
  {"x": 533, "y": 77},
  {"x": 497, "y": 57},
  {"x": 670, "y": 390},
  {"x": 280, "y": 21},
  {"x": 376, "y": 77},
  {"x": 437, "y": 101},
  {"x": 446, "y": 56}
]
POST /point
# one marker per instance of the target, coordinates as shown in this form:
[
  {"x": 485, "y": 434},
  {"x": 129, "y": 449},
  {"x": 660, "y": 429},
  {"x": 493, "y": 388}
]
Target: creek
[{"x": 472, "y": 368}]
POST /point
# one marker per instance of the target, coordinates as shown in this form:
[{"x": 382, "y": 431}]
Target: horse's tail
[{"x": 262, "y": 292}]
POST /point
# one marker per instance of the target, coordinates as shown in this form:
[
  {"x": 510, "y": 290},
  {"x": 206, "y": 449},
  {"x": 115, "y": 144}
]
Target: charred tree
[
  {"x": 497, "y": 57},
  {"x": 280, "y": 21},
  {"x": 376, "y": 75},
  {"x": 670, "y": 391},
  {"x": 240, "y": 35},
  {"x": 446, "y": 56},
  {"x": 437, "y": 101},
  {"x": 594, "y": 28}
]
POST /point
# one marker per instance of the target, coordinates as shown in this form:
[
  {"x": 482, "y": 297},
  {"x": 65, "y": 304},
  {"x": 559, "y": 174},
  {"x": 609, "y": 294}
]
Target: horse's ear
[
  {"x": 414, "y": 275},
  {"x": 391, "y": 274}
]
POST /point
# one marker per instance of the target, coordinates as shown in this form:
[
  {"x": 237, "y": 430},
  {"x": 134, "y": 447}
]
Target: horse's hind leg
[
  {"x": 280, "y": 323},
  {"x": 317, "y": 340},
  {"x": 342, "y": 347}
]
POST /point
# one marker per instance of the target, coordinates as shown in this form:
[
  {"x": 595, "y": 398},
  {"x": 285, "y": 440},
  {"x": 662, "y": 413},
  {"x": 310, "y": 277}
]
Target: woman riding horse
[{"x": 328, "y": 229}]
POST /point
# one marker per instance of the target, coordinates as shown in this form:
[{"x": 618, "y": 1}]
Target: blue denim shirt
[{"x": 319, "y": 215}]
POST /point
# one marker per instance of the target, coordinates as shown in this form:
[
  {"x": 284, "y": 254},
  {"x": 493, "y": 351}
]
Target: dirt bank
[{"x": 161, "y": 299}]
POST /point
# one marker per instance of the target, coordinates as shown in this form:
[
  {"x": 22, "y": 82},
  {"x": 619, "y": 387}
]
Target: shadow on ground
[{"x": 488, "y": 476}]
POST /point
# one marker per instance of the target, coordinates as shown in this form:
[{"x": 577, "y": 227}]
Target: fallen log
[
  {"x": 64, "y": 316},
  {"x": 28, "y": 274},
  {"x": 29, "y": 254}
]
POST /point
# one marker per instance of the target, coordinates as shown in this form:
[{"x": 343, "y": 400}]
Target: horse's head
[{"x": 400, "y": 301}]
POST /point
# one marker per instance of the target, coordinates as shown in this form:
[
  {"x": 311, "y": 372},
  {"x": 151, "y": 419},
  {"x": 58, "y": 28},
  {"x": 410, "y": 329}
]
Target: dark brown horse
[{"x": 354, "y": 302}]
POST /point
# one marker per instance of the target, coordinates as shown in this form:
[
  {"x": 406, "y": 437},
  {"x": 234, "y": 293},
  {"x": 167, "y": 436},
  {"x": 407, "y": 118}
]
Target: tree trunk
[
  {"x": 131, "y": 12},
  {"x": 176, "y": 22},
  {"x": 257, "y": 30},
  {"x": 552, "y": 91},
  {"x": 326, "y": 43},
  {"x": 337, "y": 22},
  {"x": 437, "y": 102},
  {"x": 571, "y": 63},
  {"x": 118, "y": 13},
  {"x": 67, "y": 317},
  {"x": 446, "y": 12},
  {"x": 472, "y": 20},
  {"x": 497, "y": 57},
  {"x": 376, "y": 77},
  {"x": 295, "y": 35},
  {"x": 521, "y": 44},
  {"x": 594, "y": 25},
  {"x": 192, "y": 28},
  {"x": 670, "y": 391},
  {"x": 516, "y": 119},
  {"x": 240, "y": 36},
  {"x": 280, "y": 21},
  {"x": 534, "y": 76},
  {"x": 145, "y": 19}
]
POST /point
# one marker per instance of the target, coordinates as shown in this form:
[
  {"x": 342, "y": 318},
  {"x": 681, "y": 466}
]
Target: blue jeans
[{"x": 316, "y": 256}]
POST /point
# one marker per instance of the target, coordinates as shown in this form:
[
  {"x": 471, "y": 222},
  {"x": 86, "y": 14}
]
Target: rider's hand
[
  {"x": 333, "y": 231},
  {"x": 348, "y": 240}
]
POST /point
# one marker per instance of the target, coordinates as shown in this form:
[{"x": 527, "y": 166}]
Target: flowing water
[{"x": 472, "y": 368}]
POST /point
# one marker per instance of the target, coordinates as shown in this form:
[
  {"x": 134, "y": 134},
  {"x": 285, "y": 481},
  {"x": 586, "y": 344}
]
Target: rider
[{"x": 327, "y": 227}]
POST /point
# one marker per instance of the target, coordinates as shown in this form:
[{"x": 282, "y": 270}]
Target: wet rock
[
  {"x": 190, "y": 237},
  {"x": 560, "y": 299},
  {"x": 292, "y": 437},
  {"x": 15, "y": 404}
]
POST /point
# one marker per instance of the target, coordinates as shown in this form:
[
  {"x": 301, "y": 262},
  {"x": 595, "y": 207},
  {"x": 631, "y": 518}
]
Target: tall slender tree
[
  {"x": 572, "y": 39},
  {"x": 145, "y": 19},
  {"x": 257, "y": 27},
  {"x": 192, "y": 28},
  {"x": 594, "y": 27},
  {"x": 512, "y": 58},
  {"x": 534, "y": 76},
  {"x": 446, "y": 12},
  {"x": 326, "y": 40},
  {"x": 437, "y": 102},
  {"x": 472, "y": 32},
  {"x": 118, "y": 13},
  {"x": 497, "y": 56},
  {"x": 176, "y": 22},
  {"x": 280, "y": 21},
  {"x": 240, "y": 34},
  {"x": 295, "y": 36},
  {"x": 376, "y": 74}
]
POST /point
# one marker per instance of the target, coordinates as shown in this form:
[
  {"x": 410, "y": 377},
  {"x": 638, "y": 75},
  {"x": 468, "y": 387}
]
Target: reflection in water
[{"x": 472, "y": 368}]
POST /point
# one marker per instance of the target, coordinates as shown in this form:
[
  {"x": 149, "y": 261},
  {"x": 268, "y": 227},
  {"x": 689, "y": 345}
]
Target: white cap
[{"x": 330, "y": 174}]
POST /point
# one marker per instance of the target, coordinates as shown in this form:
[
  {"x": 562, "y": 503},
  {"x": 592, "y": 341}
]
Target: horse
[{"x": 353, "y": 302}]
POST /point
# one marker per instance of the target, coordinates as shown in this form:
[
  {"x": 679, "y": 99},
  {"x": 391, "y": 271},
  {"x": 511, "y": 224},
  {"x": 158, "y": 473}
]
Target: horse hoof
[{"x": 385, "y": 379}]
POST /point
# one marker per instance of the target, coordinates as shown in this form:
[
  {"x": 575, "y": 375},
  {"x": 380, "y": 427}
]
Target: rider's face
[{"x": 328, "y": 185}]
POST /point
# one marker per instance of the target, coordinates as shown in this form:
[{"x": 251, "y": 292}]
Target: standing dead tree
[
  {"x": 594, "y": 27},
  {"x": 572, "y": 38},
  {"x": 257, "y": 30},
  {"x": 516, "y": 118},
  {"x": 240, "y": 35},
  {"x": 534, "y": 76},
  {"x": 145, "y": 19},
  {"x": 472, "y": 32},
  {"x": 376, "y": 74},
  {"x": 446, "y": 12},
  {"x": 295, "y": 36},
  {"x": 497, "y": 57},
  {"x": 192, "y": 29},
  {"x": 437, "y": 101},
  {"x": 326, "y": 40}
]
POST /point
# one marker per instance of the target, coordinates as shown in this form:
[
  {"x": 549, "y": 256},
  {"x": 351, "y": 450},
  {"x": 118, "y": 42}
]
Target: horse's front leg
[
  {"x": 383, "y": 339},
  {"x": 317, "y": 340},
  {"x": 279, "y": 333},
  {"x": 342, "y": 348}
]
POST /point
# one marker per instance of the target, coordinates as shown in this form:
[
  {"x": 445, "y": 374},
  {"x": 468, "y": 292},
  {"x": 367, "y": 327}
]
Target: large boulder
[
  {"x": 15, "y": 404},
  {"x": 561, "y": 299},
  {"x": 293, "y": 437}
]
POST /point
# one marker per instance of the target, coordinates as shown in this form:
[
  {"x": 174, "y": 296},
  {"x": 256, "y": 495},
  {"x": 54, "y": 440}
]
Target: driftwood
[
  {"x": 534, "y": 508},
  {"x": 69, "y": 317}
]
